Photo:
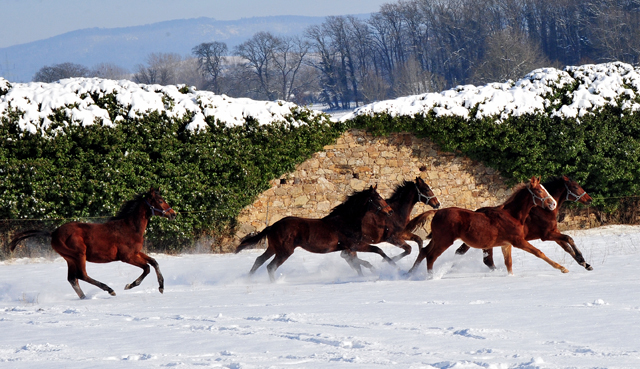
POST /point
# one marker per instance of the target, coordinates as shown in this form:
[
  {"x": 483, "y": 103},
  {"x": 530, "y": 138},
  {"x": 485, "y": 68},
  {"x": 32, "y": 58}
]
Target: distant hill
[{"x": 129, "y": 46}]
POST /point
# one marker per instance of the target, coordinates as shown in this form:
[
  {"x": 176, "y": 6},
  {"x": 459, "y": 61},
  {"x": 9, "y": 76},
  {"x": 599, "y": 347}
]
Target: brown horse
[
  {"x": 120, "y": 238},
  {"x": 377, "y": 227},
  {"x": 340, "y": 230},
  {"x": 498, "y": 226},
  {"x": 542, "y": 223}
]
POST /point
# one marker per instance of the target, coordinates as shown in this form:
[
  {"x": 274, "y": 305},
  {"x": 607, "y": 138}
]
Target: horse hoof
[
  {"x": 564, "y": 270},
  {"x": 161, "y": 290},
  {"x": 128, "y": 287},
  {"x": 112, "y": 293},
  {"x": 588, "y": 267}
]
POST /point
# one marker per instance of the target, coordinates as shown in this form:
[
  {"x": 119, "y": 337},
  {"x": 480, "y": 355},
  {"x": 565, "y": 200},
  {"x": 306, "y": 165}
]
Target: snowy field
[{"x": 320, "y": 314}]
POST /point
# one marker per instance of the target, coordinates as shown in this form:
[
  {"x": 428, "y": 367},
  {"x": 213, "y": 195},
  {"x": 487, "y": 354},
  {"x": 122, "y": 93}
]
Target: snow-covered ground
[{"x": 320, "y": 314}]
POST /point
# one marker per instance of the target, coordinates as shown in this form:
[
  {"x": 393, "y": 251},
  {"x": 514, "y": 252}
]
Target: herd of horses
[{"x": 361, "y": 221}]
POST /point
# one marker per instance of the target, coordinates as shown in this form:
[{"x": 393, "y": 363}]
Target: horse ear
[
  {"x": 534, "y": 181},
  {"x": 564, "y": 177},
  {"x": 375, "y": 188}
]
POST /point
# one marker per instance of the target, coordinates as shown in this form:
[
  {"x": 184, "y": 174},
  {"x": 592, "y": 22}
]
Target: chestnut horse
[
  {"x": 377, "y": 227},
  {"x": 120, "y": 238},
  {"x": 340, "y": 230},
  {"x": 498, "y": 226},
  {"x": 542, "y": 224}
]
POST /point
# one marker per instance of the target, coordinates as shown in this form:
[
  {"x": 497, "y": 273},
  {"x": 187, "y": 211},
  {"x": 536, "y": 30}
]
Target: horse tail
[
  {"x": 419, "y": 221},
  {"x": 26, "y": 234},
  {"x": 251, "y": 240}
]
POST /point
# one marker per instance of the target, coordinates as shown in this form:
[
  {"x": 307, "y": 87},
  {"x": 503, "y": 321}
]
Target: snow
[
  {"x": 37, "y": 101},
  {"x": 596, "y": 86},
  {"x": 320, "y": 314}
]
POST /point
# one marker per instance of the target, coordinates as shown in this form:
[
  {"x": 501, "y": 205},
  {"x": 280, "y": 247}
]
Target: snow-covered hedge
[
  {"x": 581, "y": 121},
  {"x": 83, "y": 101},
  {"x": 81, "y": 147}
]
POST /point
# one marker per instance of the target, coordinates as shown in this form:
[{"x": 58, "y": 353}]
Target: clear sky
[{"x": 24, "y": 21}]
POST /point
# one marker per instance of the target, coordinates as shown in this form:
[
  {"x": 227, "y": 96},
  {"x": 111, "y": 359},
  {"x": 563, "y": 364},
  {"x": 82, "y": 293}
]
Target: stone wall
[{"x": 358, "y": 160}]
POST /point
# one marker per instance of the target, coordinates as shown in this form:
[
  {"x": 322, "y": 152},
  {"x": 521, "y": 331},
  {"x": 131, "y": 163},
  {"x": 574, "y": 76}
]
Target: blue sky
[{"x": 23, "y": 21}]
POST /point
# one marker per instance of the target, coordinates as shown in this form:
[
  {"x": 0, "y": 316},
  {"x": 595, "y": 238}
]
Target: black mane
[
  {"x": 129, "y": 207},
  {"x": 400, "y": 191},
  {"x": 355, "y": 206}
]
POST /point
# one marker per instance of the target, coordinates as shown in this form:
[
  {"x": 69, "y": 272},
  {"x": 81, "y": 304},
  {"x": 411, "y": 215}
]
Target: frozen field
[{"x": 320, "y": 314}]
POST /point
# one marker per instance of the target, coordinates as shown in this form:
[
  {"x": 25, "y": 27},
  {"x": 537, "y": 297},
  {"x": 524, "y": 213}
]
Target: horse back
[
  {"x": 313, "y": 235},
  {"x": 100, "y": 242}
]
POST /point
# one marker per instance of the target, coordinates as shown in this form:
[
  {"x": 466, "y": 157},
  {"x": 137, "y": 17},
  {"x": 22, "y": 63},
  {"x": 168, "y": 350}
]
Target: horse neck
[
  {"x": 520, "y": 205},
  {"x": 558, "y": 191},
  {"x": 403, "y": 204},
  {"x": 139, "y": 219}
]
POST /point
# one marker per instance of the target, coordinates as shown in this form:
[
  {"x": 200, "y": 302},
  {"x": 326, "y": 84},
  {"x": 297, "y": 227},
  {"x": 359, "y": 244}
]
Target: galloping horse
[
  {"x": 340, "y": 230},
  {"x": 542, "y": 224},
  {"x": 498, "y": 226},
  {"x": 120, "y": 238},
  {"x": 379, "y": 228}
]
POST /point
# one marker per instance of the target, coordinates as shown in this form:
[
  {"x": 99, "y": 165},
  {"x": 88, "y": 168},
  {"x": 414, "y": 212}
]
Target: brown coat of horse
[
  {"x": 119, "y": 239},
  {"x": 340, "y": 230},
  {"x": 377, "y": 227},
  {"x": 542, "y": 223},
  {"x": 498, "y": 226}
]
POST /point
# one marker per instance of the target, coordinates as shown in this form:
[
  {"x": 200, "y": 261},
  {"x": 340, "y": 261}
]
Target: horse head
[
  {"x": 540, "y": 194},
  {"x": 158, "y": 206},
  {"x": 575, "y": 191},
  {"x": 425, "y": 194},
  {"x": 377, "y": 202}
]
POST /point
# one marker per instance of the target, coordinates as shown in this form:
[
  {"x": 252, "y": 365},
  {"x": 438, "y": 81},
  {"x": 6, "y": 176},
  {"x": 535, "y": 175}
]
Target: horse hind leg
[
  {"x": 81, "y": 273},
  {"x": 355, "y": 262},
  {"x": 261, "y": 260},
  {"x": 506, "y": 253},
  {"x": 275, "y": 264},
  {"x": 73, "y": 278}
]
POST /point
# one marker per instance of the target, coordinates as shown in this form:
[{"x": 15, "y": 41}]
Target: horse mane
[
  {"x": 129, "y": 207},
  {"x": 400, "y": 190},
  {"x": 554, "y": 182},
  {"x": 353, "y": 206},
  {"x": 516, "y": 192}
]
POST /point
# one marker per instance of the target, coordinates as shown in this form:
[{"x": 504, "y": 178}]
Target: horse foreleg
[
  {"x": 526, "y": 246},
  {"x": 570, "y": 247},
  {"x": 422, "y": 254},
  {"x": 401, "y": 243},
  {"x": 462, "y": 249},
  {"x": 350, "y": 257},
  {"x": 377, "y": 250},
  {"x": 506, "y": 253},
  {"x": 140, "y": 262},
  {"x": 155, "y": 266}
]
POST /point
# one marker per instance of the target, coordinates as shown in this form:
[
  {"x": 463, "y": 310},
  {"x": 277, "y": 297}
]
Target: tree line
[{"x": 407, "y": 47}]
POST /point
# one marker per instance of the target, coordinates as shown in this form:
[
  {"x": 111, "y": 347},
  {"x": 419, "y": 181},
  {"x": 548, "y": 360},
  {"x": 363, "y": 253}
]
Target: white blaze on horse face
[{"x": 552, "y": 202}]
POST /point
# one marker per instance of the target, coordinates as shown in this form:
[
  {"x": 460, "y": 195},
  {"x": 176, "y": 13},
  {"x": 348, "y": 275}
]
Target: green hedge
[
  {"x": 208, "y": 176},
  {"x": 600, "y": 151}
]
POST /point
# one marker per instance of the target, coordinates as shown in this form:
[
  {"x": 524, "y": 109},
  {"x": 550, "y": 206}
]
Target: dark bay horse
[
  {"x": 120, "y": 238},
  {"x": 542, "y": 223},
  {"x": 340, "y": 230},
  {"x": 377, "y": 227},
  {"x": 498, "y": 226}
]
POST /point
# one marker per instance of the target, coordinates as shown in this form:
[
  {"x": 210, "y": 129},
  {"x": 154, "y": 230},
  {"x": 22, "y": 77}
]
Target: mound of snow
[
  {"x": 36, "y": 101},
  {"x": 588, "y": 87}
]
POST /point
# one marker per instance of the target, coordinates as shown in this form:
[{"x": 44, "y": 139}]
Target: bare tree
[
  {"x": 160, "y": 69},
  {"x": 288, "y": 56},
  {"x": 58, "y": 71},
  {"x": 258, "y": 53},
  {"x": 510, "y": 54},
  {"x": 211, "y": 59},
  {"x": 109, "y": 71}
]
